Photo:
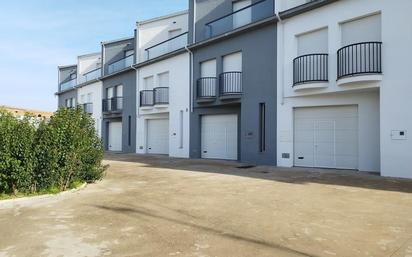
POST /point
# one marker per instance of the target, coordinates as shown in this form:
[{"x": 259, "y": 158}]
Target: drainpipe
[
  {"x": 137, "y": 82},
  {"x": 137, "y": 96},
  {"x": 281, "y": 57},
  {"x": 190, "y": 78}
]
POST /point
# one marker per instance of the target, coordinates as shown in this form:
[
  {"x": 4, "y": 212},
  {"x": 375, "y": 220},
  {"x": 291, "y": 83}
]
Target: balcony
[
  {"x": 167, "y": 46},
  {"x": 156, "y": 97},
  {"x": 161, "y": 95},
  {"x": 146, "y": 98},
  {"x": 121, "y": 64},
  {"x": 112, "y": 105},
  {"x": 231, "y": 84},
  {"x": 206, "y": 89},
  {"x": 360, "y": 59},
  {"x": 68, "y": 84},
  {"x": 310, "y": 71},
  {"x": 92, "y": 75},
  {"x": 250, "y": 14},
  {"x": 87, "y": 107}
]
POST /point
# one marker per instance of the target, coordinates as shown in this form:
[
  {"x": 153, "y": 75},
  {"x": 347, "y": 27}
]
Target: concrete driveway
[{"x": 155, "y": 206}]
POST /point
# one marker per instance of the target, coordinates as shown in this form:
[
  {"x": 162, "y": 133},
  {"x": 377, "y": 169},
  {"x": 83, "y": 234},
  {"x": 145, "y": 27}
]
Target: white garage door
[
  {"x": 326, "y": 137},
  {"x": 158, "y": 136},
  {"x": 219, "y": 137},
  {"x": 115, "y": 136}
]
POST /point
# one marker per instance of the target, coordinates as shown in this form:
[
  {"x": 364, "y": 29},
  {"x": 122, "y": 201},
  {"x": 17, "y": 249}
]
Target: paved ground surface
[{"x": 155, "y": 206}]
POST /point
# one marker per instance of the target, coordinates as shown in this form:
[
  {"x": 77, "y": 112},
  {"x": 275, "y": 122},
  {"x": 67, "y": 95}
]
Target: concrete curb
[{"x": 4, "y": 203}]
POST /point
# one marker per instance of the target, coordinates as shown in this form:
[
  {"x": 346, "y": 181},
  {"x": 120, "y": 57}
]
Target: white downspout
[
  {"x": 194, "y": 22},
  {"x": 190, "y": 77},
  {"x": 280, "y": 48}
]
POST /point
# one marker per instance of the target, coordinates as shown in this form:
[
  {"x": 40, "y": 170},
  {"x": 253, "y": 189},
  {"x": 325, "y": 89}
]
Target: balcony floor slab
[
  {"x": 312, "y": 85},
  {"x": 363, "y": 78}
]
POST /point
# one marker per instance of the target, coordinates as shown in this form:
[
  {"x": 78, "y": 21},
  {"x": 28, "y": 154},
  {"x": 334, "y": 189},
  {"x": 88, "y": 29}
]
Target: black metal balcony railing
[
  {"x": 206, "y": 87},
  {"x": 114, "y": 104},
  {"x": 161, "y": 95},
  {"x": 360, "y": 58},
  {"x": 231, "y": 83},
  {"x": 250, "y": 14},
  {"x": 87, "y": 107},
  {"x": 146, "y": 98},
  {"x": 157, "y": 96},
  {"x": 121, "y": 64},
  {"x": 310, "y": 68},
  {"x": 167, "y": 46}
]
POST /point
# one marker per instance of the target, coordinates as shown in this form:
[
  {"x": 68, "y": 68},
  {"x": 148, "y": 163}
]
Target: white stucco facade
[
  {"x": 383, "y": 101},
  {"x": 92, "y": 94},
  {"x": 152, "y": 32},
  {"x": 171, "y": 76},
  {"x": 177, "y": 112},
  {"x": 85, "y": 64},
  {"x": 89, "y": 91}
]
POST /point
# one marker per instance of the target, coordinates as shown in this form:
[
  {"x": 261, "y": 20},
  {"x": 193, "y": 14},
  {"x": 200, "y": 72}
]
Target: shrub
[
  {"x": 55, "y": 154},
  {"x": 16, "y": 155}
]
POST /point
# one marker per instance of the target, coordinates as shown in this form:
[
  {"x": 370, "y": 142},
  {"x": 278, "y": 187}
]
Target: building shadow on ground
[{"x": 345, "y": 178}]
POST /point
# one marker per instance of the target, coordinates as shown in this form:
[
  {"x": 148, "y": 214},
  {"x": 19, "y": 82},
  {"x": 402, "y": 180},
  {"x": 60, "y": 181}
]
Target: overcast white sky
[{"x": 38, "y": 35}]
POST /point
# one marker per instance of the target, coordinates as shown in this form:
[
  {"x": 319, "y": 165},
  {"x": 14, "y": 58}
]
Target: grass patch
[{"x": 50, "y": 191}]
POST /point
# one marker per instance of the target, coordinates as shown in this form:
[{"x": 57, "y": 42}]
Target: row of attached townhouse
[{"x": 308, "y": 83}]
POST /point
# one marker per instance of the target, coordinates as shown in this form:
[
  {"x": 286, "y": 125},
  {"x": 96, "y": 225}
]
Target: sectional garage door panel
[
  {"x": 326, "y": 137},
  {"x": 158, "y": 136},
  {"x": 219, "y": 136},
  {"x": 115, "y": 136}
]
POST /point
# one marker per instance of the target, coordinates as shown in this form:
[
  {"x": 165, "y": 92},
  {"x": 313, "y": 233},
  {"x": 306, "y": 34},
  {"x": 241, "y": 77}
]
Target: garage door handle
[{"x": 204, "y": 151}]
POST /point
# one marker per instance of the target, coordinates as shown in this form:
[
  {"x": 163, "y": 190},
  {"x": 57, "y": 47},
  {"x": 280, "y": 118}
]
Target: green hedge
[{"x": 50, "y": 155}]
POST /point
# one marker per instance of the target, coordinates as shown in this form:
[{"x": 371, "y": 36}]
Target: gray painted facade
[
  {"x": 65, "y": 74},
  {"x": 211, "y": 10},
  {"x": 258, "y": 47},
  {"x": 128, "y": 80},
  {"x": 113, "y": 52},
  {"x": 62, "y": 97}
]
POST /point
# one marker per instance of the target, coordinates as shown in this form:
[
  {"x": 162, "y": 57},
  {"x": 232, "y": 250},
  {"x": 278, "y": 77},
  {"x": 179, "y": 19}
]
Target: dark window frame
[{"x": 262, "y": 127}]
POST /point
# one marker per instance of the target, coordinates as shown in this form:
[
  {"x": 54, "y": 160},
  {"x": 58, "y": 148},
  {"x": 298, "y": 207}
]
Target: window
[
  {"x": 244, "y": 16},
  {"x": 73, "y": 104},
  {"x": 109, "y": 92},
  {"x": 232, "y": 62},
  {"x": 130, "y": 131},
  {"x": 148, "y": 83},
  {"x": 315, "y": 42},
  {"x": 208, "y": 69},
  {"x": 119, "y": 91},
  {"x": 262, "y": 127},
  {"x": 365, "y": 29},
  {"x": 70, "y": 102},
  {"x": 163, "y": 79},
  {"x": 90, "y": 97},
  {"x": 181, "y": 129}
]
